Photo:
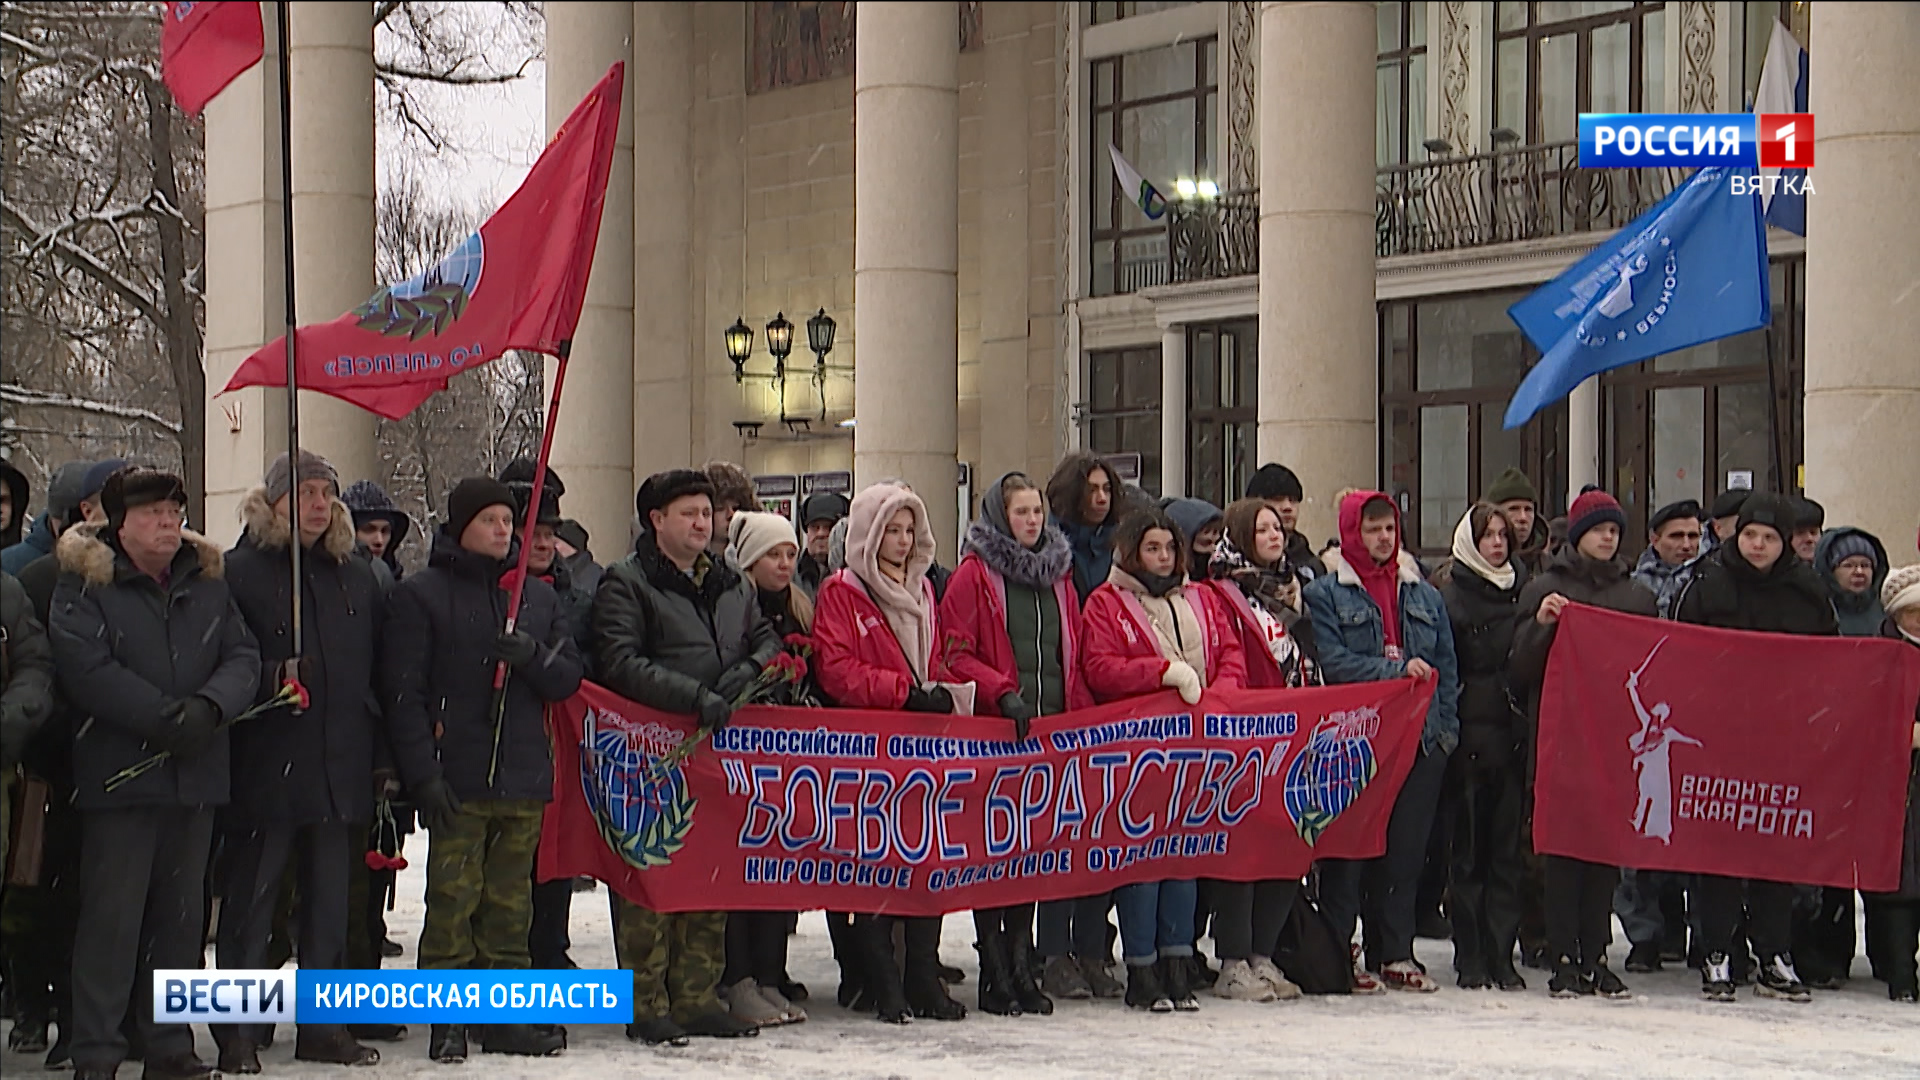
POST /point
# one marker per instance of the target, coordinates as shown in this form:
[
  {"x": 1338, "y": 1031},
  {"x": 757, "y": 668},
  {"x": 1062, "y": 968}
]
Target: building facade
[{"x": 936, "y": 179}]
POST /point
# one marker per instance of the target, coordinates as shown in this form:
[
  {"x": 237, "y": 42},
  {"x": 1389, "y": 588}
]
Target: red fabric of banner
[
  {"x": 206, "y": 45},
  {"x": 1665, "y": 746},
  {"x": 906, "y": 814},
  {"x": 518, "y": 283}
]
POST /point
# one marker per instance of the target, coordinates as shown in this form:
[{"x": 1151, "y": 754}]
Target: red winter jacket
[
  {"x": 858, "y": 661},
  {"x": 1263, "y": 671},
  {"x": 975, "y": 643},
  {"x": 1120, "y": 653}
]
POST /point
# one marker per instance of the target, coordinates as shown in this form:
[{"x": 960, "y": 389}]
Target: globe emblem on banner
[
  {"x": 429, "y": 302},
  {"x": 643, "y": 810},
  {"x": 1330, "y": 772}
]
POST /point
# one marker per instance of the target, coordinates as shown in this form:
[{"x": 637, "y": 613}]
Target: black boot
[
  {"x": 185, "y": 1066},
  {"x": 238, "y": 1055},
  {"x": 880, "y": 974},
  {"x": 29, "y": 1035},
  {"x": 848, "y": 953},
  {"x": 1175, "y": 975},
  {"x": 657, "y": 1031},
  {"x": 996, "y": 982},
  {"x": 447, "y": 1043},
  {"x": 1023, "y": 965},
  {"x": 1144, "y": 990},
  {"x": 923, "y": 980},
  {"x": 524, "y": 1040},
  {"x": 330, "y": 1045}
]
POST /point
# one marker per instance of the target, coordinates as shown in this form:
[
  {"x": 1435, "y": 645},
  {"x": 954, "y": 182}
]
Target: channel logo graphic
[
  {"x": 1752, "y": 140},
  {"x": 392, "y": 997}
]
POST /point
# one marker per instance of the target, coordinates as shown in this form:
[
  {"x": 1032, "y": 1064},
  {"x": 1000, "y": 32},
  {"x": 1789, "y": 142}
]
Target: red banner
[
  {"x": 1665, "y": 746},
  {"x": 906, "y": 814},
  {"x": 518, "y": 283},
  {"x": 206, "y": 45}
]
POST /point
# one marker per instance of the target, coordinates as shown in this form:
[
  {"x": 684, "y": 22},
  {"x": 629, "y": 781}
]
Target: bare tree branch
[{"x": 15, "y": 394}]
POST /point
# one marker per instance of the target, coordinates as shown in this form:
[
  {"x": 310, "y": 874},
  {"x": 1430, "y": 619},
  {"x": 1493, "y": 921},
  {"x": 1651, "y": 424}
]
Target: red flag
[
  {"x": 206, "y": 45},
  {"x": 1665, "y": 746},
  {"x": 518, "y": 283},
  {"x": 908, "y": 814}
]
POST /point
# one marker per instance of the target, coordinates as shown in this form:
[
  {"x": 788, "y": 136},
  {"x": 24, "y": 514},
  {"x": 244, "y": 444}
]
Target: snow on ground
[{"x": 1667, "y": 1030}]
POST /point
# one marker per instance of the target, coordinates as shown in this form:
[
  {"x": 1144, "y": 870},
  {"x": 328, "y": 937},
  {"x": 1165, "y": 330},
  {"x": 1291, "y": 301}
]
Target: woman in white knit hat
[{"x": 1893, "y": 919}]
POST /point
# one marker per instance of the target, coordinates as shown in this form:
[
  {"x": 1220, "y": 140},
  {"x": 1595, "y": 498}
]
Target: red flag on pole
[
  {"x": 1665, "y": 746},
  {"x": 206, "y": 45},
  {"x": 518, "y": 283}
]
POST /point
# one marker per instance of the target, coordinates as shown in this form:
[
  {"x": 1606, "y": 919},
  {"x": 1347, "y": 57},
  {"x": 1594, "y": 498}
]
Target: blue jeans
[
  {"x": 1636, "y": 900},
  {"x": 1156, "y": 919}
]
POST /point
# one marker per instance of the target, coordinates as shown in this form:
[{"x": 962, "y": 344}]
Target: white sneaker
[
  {"x": 1237, "y": 982},
  {"x": 793, "y": 1014},
  {"x": 747, "y": 1006},
  {"x": 1283, "y": 987}
]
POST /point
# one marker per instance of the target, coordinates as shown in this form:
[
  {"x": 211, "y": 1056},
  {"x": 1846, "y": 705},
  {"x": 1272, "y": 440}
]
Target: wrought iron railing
[
  {"x": 1214, "y": 238},
  {"x": 1526, "y": 193}
]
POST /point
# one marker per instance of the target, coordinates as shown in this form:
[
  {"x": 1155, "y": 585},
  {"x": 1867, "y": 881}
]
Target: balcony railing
[{"x": 1449, "y": 204}]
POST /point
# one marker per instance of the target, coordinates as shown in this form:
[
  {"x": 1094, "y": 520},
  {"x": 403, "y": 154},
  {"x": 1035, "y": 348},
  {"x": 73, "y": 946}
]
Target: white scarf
[{"x": 1466, "y": 552}]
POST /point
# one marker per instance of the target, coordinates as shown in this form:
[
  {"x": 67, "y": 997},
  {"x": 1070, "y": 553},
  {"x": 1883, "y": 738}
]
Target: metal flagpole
[{"x": 293, "y": 389}]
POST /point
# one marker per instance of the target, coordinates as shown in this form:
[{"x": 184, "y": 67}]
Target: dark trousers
[
  {"x": 1077, "y": 927},
  {"x": 1488, "y": 870},
  {"x": 547, "y": 938},
  {"x": 1893, "y": 939},
  {"x": 142, "y": 901},
  {"x": 1383, "y": 889},
  {"x": 1248, "y": 915},
  {"x": 40, "y": 921},
  {"x": 1823, "y": 932},
  {"x": 1579, "y": 909},
  {"x": 1769, "y": 912},
  {"x": 256, "y": 862},
  {"x": 1434, "y": 896},
  {"x": 756, "y": 947}
]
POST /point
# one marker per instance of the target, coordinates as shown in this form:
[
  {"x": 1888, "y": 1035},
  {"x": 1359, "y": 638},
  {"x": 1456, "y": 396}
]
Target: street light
[
  {"x": 821, "y": 328},
  {"x": 780, "y": 344},
  {"x": 739, "y": 340}
]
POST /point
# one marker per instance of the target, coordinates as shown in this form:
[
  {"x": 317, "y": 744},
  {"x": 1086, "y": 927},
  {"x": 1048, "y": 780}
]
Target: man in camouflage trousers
[{"x": 480, "y": 792}]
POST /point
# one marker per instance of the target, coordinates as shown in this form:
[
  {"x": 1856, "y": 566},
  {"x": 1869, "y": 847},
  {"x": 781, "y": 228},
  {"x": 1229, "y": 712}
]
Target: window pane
[
  {"x": 1206, "y": 163},
  {"x": 1386, "y": 103},
  {"x": 1416, "y": 106},
  {"x": 1697, "y": 358},
  {"x": 1103, "y": 181},
  {"x": 1512, "y": 16},
  {"x": 1239, "y": 466},
  {"x": 1761, "y": 15},
  {"x": 1743, "y": 433},
  {"x": 1103, "y": 71},
  {"x": 1248, "y": 344},
  {"x": 1557, "y": 105},
  {"x": 1394, "y": 341},
  {"x": 1103, "y": 436},
  {"x": 1104, "y": 281},
  {"x": 1653, "y": 62},
  {"x": 1140, "y": 383},
  {"x": 1386, "y": 20},
  {"x": 1469, "y": 343},
  {"x": 1499, "y": 448},
  {"x": 1211, "y": 49},
  {"x": 1417, "y": 32},
  {"x": 1443, "y": 473},
  {"x": 1154, "y": 72},
  {"x": 1103, "y": 381},
  {"x": 1158, "y": 140},
  {"x": 1679, "y": 446},
  {"x": 1400, "y": 454},
  {"x": 1143, "y": 260},
  {"x": 1612, "y": 72},
  {"x": 1552, "y": 12},
  {"x": 1206, "y": 476},
  {"x": 1510, "y": 84},
  {"x": 1203, "y": 382}
]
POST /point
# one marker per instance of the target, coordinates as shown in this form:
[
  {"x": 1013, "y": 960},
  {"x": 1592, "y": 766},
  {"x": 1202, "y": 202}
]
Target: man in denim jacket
[{"x": 1376, "y": 618}]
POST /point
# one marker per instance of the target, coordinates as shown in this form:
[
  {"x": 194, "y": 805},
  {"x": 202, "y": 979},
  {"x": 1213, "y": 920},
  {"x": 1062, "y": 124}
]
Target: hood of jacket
[
  {"x": 1407, "y": 569},
  {"x": 369, "y": 501},
  {"x": 84, "y": 553},
  {"x": 267, "y": 530},
  {"x": 867, "y": 522},
  {"x": 1192, "y": 515},
  {"x": 1863, "y": 608}
]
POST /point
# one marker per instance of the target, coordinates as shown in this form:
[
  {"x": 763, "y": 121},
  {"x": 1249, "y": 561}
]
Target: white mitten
[{"x": 1180, "y": 676}]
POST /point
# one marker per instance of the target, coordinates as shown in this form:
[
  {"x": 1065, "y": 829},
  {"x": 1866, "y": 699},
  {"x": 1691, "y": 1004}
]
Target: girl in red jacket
[
  {"x": 876, "y": 630},
  {"x": 1145, "y": 630},
  {"x": 1009, "y": 623}
]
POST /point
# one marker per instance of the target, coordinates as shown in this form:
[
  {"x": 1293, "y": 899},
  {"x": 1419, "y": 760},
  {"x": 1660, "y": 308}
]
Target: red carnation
[
  {"x": 376, "y": 861},
  {"x": 799, "y": 644}
]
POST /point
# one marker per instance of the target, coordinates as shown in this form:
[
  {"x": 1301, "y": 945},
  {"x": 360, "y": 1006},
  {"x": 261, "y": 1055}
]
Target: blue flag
[{"x": 1692, "y": 269}]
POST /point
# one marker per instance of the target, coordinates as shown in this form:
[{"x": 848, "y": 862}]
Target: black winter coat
[
  {"x": 437, "y": 677},
  {"x": 125, "y": 648},
  {"x": 317, "y": 765},
  {"x": 1493, "y": 727},
  {"x": 26, "y": 673},
  {"x": 659, "y": 639},
  {"x": 1910, "y": 845},
  {"x": 1726, "y": 591},
  {"x": 1607, "y": 584}
]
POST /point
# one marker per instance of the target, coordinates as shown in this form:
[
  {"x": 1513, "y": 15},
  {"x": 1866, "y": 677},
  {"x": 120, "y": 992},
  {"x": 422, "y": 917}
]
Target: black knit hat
[
  {"x": 1729, "y": 503},
  {"x": 573, "y": 533},
  {"x": 1809, "y": 515},
  {"x": 518, "y": 476},
  {"x": 1275, "y": 481},
  {"x": 133, "y": 487},
  {"x": 1672, "y": 512},
  {"x": 662, "y": 488},
  {"x": 469, "y": 497},
  {"x": 1776, "y": 512}
]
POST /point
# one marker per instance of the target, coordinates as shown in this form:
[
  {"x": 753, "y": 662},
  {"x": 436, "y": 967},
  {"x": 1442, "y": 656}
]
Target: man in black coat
[
  {"x": 819, "y": 513},
  {"x": 153, "y": 656},
  {"x": 480, "y": 777},
  {"x": 303, "y": 784},
  {"x": 678, "y": 630}
]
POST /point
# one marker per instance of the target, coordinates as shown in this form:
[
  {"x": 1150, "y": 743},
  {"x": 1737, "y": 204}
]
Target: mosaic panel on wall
[{"x": 805, "y": 41}]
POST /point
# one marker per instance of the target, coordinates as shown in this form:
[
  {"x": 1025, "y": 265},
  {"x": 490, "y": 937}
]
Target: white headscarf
[{"x": 1466, "y": 552}]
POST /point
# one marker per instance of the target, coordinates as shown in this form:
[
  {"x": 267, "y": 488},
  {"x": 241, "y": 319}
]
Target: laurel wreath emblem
[
  {"x": 432, "y": 312},
  {"x": 666, "y": 834}
]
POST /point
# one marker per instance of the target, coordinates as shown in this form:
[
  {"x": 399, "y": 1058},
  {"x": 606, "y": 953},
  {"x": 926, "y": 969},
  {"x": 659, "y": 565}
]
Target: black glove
[
  {"x": 189, "y": 724},
  {"x": 714, "y": 711},
  {"x": 936, "y": 700},
  {"x": 437, "y": 803},
  {"x": 515, "y": 649},
  {"x": 1015, "y": 708},
  {"x": 734, "y": 681}
]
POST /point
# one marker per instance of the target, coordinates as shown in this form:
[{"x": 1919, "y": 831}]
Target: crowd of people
[{"x": 136, "y": 653}]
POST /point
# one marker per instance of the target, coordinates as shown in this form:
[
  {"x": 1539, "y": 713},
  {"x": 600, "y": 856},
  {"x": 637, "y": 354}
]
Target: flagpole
[
  {"x": 293, "y": 390},
  {"x": 526, "y": 548}
]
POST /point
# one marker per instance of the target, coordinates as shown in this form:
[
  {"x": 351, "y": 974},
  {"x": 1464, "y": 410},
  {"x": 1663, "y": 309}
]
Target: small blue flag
[{"x": 1693, "y": 269}]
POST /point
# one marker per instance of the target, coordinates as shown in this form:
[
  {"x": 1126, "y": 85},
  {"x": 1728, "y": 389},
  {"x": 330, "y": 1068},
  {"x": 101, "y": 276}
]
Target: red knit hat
[{"x": 1590, "y": 509}]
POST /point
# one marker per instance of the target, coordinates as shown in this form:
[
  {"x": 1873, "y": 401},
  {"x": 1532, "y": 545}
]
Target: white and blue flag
[{"x": 1783, "y": 89}]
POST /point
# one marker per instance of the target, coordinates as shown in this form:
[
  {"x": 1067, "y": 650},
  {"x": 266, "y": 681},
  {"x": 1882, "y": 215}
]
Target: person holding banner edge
[
  {"x": 1146, "y": 630},
  {"x": 1756, "y": 582},
  {"x": 1010, "y": 623},
  {"x": 1893, "y": 919}
]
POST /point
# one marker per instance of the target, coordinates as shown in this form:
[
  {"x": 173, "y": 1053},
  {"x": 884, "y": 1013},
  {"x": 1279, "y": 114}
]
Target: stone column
[
  {"x": 245, "y": 295},
  {"x": 1173, "y": 410},
  {"x": 1583, "y": 439},
  {"x": 330, "y": 58},
  {"x": 664, "y": 314},
  {"x": 593, "y": 445},
  {"x": 906, "y": 251},
  {"x": 1004, "y": 280},
  {"x": 1863, "y": 257},
  {"x": 1318, "y": 358}
]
